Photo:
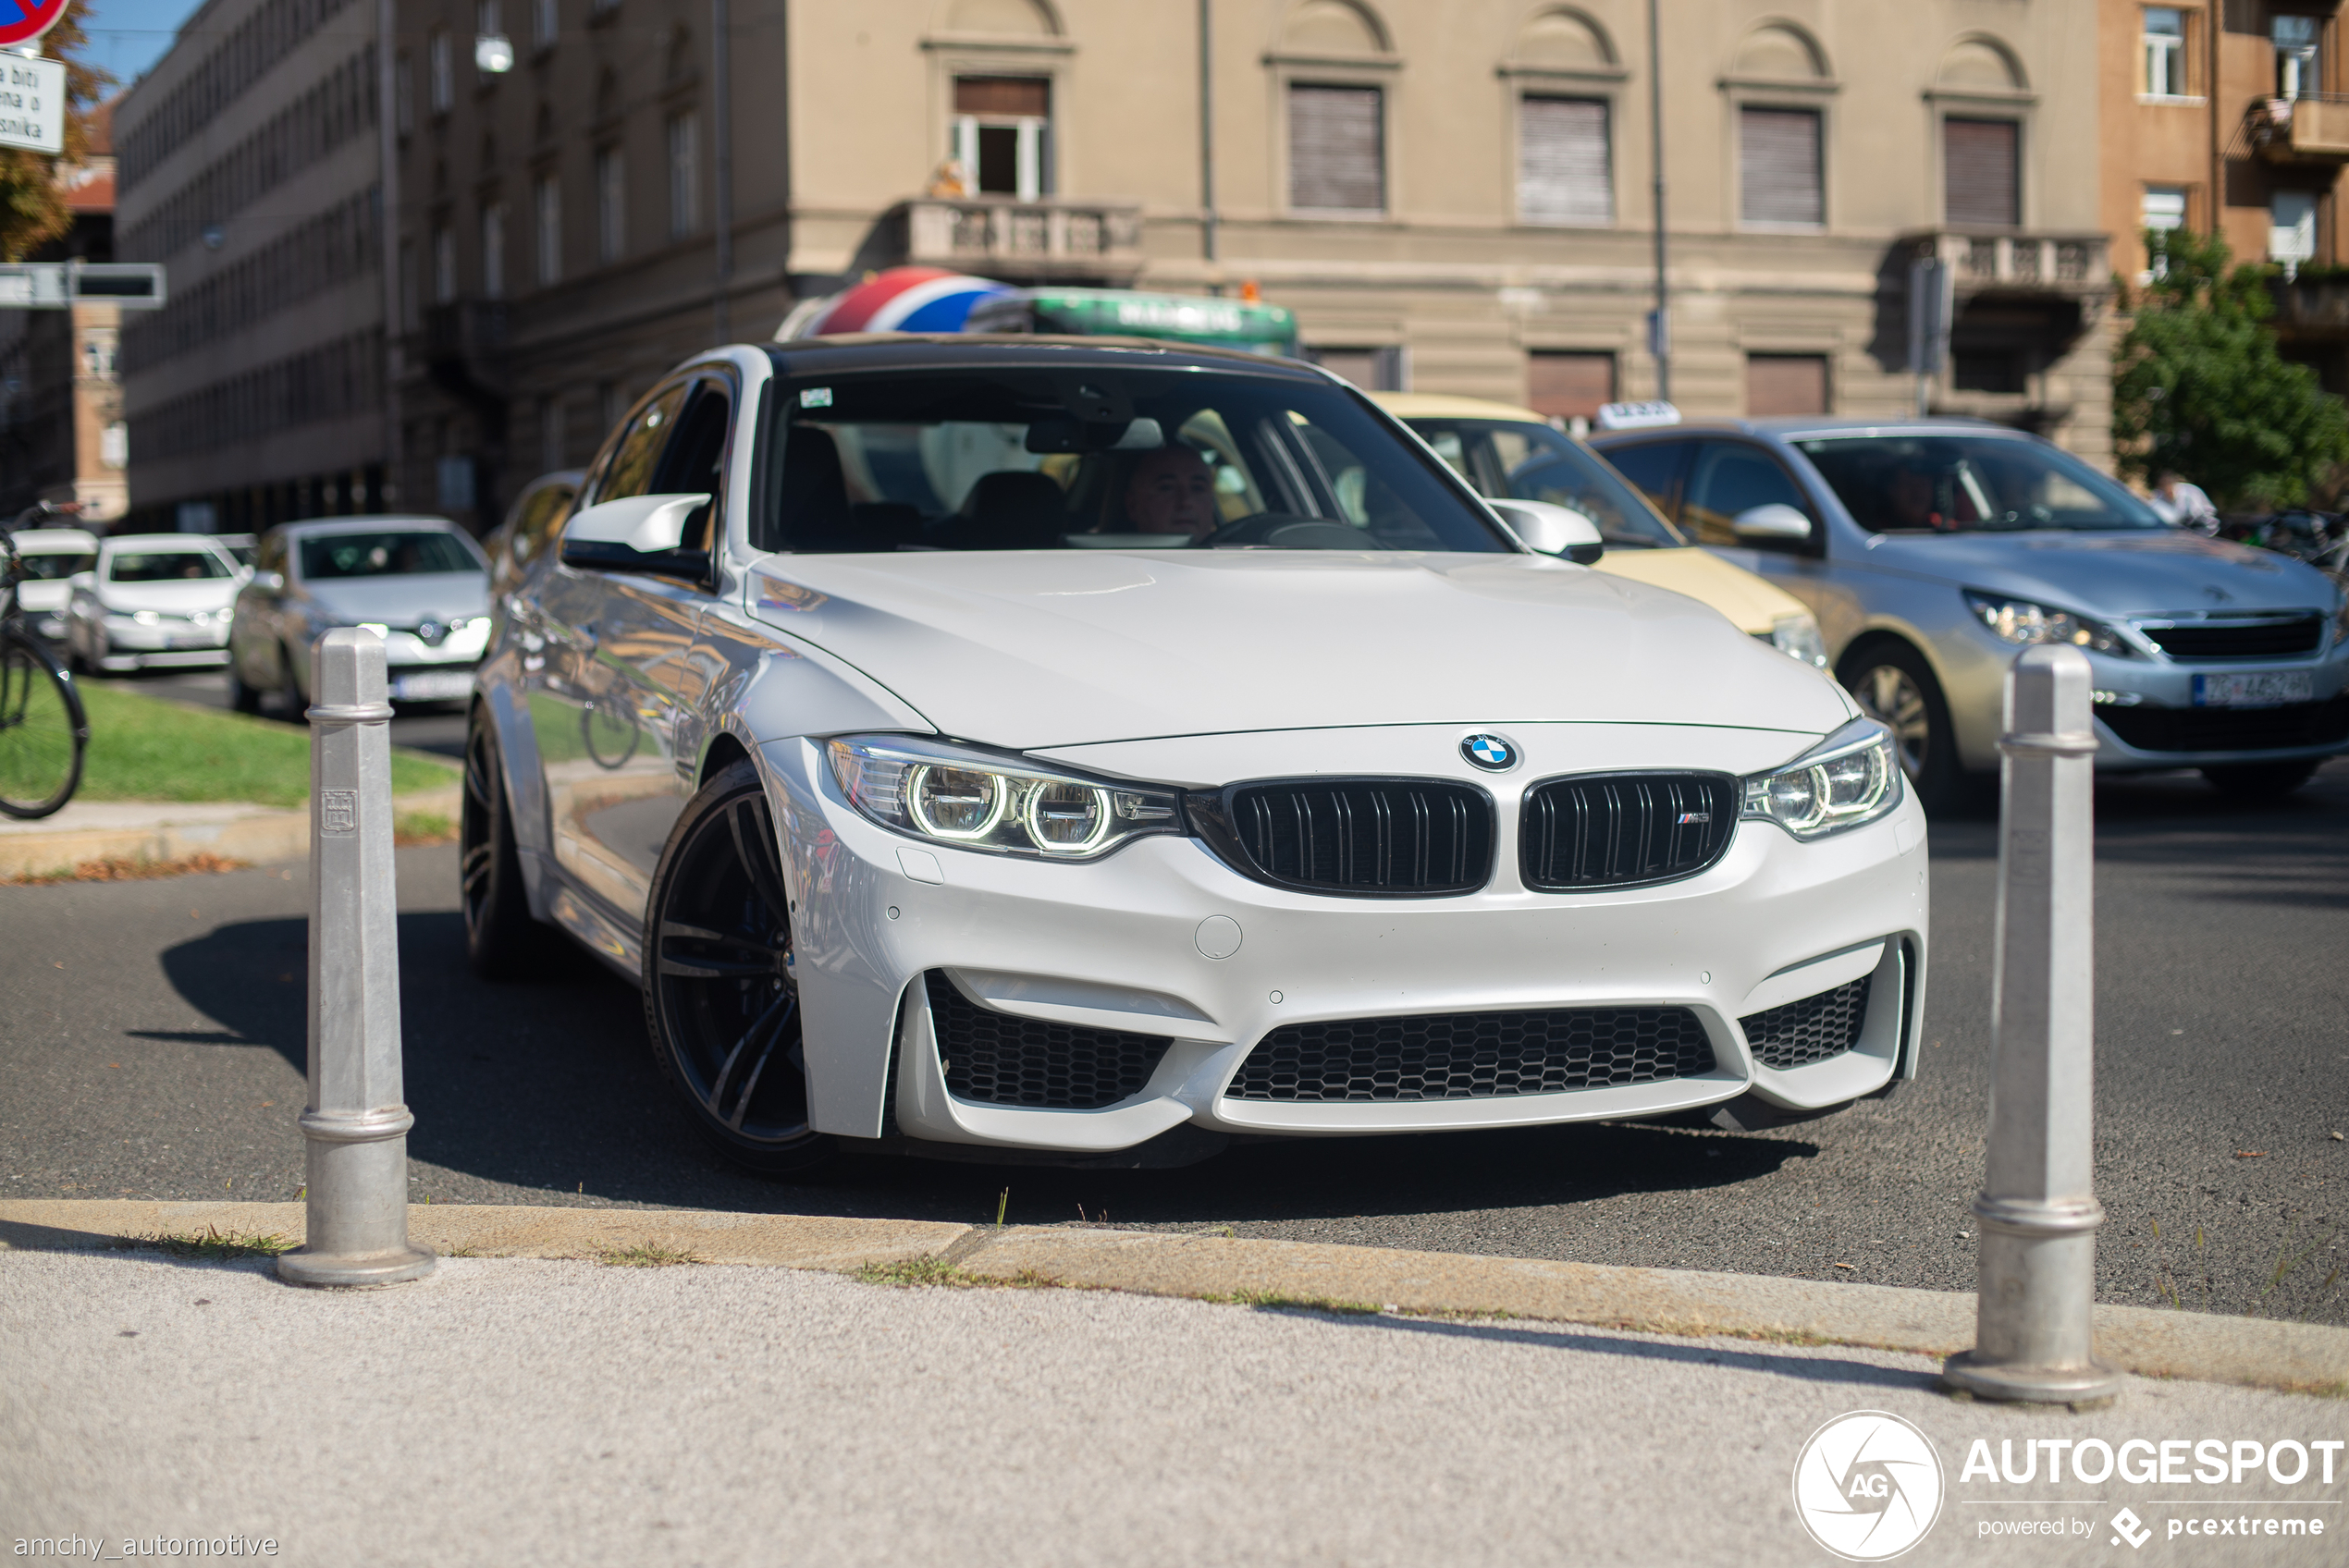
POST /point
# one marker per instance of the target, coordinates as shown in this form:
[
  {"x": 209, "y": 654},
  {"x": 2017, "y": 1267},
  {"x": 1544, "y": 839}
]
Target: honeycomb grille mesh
[
  {"x": 997, "y": 1058},
  {"x": 1454, "y": 1056},
  {"x": 1810, "y": 1030}
]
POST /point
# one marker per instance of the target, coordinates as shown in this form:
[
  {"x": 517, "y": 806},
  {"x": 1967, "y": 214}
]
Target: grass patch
[
  {"x": 143, "y": 748},
  {"x": 212, "y": 1244},
  {"x": 1277, "y": 1301},
  {"x": 409, "y": 827},
  {"x": 935, "y": 1270},
  {"x": 645, "y": 1254},
  {"x": 122, "y": 870}
]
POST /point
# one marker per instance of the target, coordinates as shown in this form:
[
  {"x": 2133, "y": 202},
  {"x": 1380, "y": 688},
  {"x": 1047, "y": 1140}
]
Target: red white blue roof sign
[
  {"x": 22, "y": 20},
  {"x": 901, "y": 300}
]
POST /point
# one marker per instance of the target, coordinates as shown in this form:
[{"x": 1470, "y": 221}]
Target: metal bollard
[
  {"x": 355, "y": 1124},
  {"x": 2037, "y": 1215}
]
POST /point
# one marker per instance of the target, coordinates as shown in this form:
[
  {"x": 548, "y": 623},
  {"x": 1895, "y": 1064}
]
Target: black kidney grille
[
  {"x": 1377, "y": 836},
  {"x": 1456, "y": 1056},
  {"x": 2239, "y": 640},
  {"x": 1625, "y": 829},
  {"x": 2229, "y": 730},
  {"x": 997, "y": 1058},
  {"x": 1810, "y": 1030}
]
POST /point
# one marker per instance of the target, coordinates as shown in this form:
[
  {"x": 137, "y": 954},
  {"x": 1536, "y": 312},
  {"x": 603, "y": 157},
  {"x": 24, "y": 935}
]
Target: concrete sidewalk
[
  {"x": 564, "y": 1412},
  {"x": 165, "y": 830}
]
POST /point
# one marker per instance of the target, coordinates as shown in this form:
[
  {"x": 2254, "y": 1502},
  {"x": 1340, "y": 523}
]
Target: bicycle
[{"x": 43, "y": 727}]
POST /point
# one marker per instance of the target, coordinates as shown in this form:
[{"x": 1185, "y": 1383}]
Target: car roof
[
  {"x": 1443, "y": 405},
  {"x": 318, "y": 525},
  {"x": 55, "y": 541},
  {"x": 955, "y": 351},
  {"x": 1797, "y": 426},
  {"x": 161, "y": 541}
]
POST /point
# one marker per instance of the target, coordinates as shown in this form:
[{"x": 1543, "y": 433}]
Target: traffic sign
[
  {"x": 21, "y": 21},
  {"x": 32, "y": 102},
  {"x": 60, "y": 286}
]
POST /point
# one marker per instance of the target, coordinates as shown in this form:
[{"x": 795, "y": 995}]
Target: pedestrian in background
[{"x": 2183, "y": 504}]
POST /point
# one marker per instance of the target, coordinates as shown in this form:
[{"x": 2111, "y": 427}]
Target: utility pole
[
  {"x": 1207, "y": 237},
  {"x": 1660, "y": 319},
  {"x": 387, "y": 239},
  {"x": 722, "y": 137}
]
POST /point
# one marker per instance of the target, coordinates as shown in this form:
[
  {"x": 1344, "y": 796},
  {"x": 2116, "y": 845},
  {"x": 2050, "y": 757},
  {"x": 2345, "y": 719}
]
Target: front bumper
[
  {"x": 131, "y": 645},
  {"x": 1116, "y": 945}
]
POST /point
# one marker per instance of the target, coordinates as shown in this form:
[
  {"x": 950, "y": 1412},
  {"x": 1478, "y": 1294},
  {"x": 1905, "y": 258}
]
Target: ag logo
[
  {"x": 1489, "y": 753},
  {"x": 1867, "y": 1486}
]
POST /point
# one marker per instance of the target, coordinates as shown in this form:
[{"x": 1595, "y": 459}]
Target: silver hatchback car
[{"x": 1933, "y": 551}]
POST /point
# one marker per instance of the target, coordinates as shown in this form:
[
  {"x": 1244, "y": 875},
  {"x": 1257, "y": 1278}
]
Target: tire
[
  {"x": 290, "y": 697},
  {"x": 722, "y": 1001},
  {"x": 1892, "y": 684},
  {"x": 242, "y": 697},
  {"x": 503, "y": 942},
  {"x": 42, "y": 731},
  {"x": 2260, "y": 781}
]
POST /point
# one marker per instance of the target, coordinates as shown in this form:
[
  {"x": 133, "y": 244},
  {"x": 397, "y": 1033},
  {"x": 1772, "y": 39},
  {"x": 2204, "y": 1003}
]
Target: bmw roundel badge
[{"x": 1489, "y": 753}]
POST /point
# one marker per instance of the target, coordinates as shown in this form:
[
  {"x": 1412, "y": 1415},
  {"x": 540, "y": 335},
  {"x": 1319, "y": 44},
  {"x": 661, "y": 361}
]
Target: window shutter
[
  {"x": 1978, "y": 184},
  {"x": 1779, "y": 166},
  {"x": 1569, "y": 385},
  {"x": 1005, "y": 97},
  {"x": 1563, "y": 169},
  {"x": 1777, "y": 384},
  {"x": 1335, "y": 161}
]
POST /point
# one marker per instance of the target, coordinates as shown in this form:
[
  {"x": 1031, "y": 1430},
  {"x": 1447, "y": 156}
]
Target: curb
[
  {"x": 263, "y": 835},
  {"x": 2259, "y": 1353}
]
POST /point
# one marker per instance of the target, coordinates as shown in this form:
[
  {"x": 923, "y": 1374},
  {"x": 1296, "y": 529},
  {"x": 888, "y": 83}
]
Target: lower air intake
[
  {"x": 1810, "y": 1030},
  {"x": 1456, "y": 1056},
  {"x": 1000, "y": 1058}
]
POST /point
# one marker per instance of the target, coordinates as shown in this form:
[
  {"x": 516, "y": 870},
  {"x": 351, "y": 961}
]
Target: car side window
[
  {"x": 694, "y": 459},
  {"x": 637, "y": 457},
  {"x": 1654, "y": 466},
  {"x": 538, "y": 515},
  {"x": 1730, "y": 478}
]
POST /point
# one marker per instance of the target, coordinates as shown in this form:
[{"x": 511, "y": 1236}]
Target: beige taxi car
[{"x": 1514, "y": 454}]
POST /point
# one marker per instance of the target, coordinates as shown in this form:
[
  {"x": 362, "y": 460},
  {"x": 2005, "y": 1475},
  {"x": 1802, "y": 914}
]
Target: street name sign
[
  {"x": 21, "y": 21},
  {"x": 33, "y": 102},
  {"x": 59, "y": 286}
]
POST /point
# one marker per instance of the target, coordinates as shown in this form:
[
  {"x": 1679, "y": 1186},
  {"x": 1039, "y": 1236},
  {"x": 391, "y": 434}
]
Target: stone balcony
[
  {"x": 2310, "y": 129},
  {"x": 2070, "y": 266},
  {"x": 1052, "y": 240}
]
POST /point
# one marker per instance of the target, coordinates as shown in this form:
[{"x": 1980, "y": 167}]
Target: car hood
[
  {"x": 1030, "y": 649},
  {"x": 403, "y": 600},
  {"x": 1753, "y": 604},
  {"x": 2112, "y": 575},
  {"x": 174, "y": 598}
]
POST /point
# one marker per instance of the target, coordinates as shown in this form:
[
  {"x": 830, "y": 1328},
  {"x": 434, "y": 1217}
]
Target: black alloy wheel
[
  {"x": 1892, "y": 684},
  {"x": 2261, "y": 780},
  {"x": 503, "y": 942},
  {"x": 721, "y": 996}
]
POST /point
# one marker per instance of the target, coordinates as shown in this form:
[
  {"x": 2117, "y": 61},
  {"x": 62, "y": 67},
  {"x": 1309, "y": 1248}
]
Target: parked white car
[
  {"x": 153, "y": 600},
  {"x": 52, "y": 557},
  {"x": 1102, "y": 750}
]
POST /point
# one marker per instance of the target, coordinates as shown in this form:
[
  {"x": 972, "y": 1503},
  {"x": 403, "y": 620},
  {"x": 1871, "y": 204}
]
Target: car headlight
[
  {"x": 1849, "y": 778},
  {"x": 2024, "y": 623},
  {"x": 976, "y": 800},
  {"x": 146, "y": 618},
  {"x": 1797, "y": 636}
]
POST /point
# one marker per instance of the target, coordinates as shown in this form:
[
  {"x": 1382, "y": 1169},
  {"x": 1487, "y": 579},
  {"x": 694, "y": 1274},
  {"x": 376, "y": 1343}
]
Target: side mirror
[
  {"x": 1773, "y": 523},
  {"x": 1551, "y": 529},
  {"x": 638, "y": 533}
]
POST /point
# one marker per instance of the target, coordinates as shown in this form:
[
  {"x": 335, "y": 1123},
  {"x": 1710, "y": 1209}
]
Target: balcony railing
[
  {"x": 2311, "y": 128},
  {"x": 2071, "y": 264},
  {"x": 1002, "y": 237}
]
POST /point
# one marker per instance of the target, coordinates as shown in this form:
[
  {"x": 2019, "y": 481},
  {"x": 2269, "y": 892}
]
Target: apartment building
[
  {"x": 2231, "y": 119},
  {"x": 248, "y": 163},
  {"x": 62, "y": 436}
]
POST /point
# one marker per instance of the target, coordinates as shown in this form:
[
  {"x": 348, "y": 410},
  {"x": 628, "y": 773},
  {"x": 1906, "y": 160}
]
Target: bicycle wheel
[{"x": 42, "y": 730}]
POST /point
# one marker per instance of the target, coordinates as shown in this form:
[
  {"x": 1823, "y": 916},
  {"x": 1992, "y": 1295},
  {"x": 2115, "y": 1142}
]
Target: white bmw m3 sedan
[{"x": 1101, "y": 750}]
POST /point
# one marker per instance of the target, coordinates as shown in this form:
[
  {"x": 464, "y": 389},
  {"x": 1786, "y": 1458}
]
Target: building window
[
  {"x": 2298, "y": 74},
  {"x": 409, "y": 318},
  {"x": 1569, "y": 385},
  {"x": 1336, "y": 149},
  {"x": 1785, "y": 383},
  {"x": 1372, "y": 370},
  {"x": 403, "y": 94},
  {"x": 546, "y": 22},
  {"x": 1779, "y": 170},
  {"x": 2291, "y": 228},
  {"x": 1564, "y": 173},
  {"x": 684, "y": 176},
  {"x": 2165, "y": 50},
  {"x": 444, "y": 75},
  {"x": 611, "y": 211},
  {"x": 1002, "y": 135},
  {"x": 493, "y": 251},
  {"x": 2162, "y": 208},
  {"x": 444, "y": 264},
  {"x": 546, "y": 207},
  {"x": 1980, "y": 183},
  {"x": 114, "y": 445}
]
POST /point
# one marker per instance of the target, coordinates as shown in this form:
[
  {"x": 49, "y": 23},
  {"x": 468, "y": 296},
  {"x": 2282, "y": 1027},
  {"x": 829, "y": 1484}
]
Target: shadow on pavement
[{"x": 1805, "y": 1368}]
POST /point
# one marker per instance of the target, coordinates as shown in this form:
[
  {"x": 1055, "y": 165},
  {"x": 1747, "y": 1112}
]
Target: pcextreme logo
[{"x": 1867, "y": 1486}]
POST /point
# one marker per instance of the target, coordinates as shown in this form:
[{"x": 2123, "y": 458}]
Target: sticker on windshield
[{"x": 815, "y": 397}]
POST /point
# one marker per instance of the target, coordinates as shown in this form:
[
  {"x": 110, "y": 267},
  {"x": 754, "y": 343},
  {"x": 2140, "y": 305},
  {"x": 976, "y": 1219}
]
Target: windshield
[
  {"x": 166, "y": 566},
  {"x": 1012, "y": 458},
  {"x": 1969, "y": 485},
  {"x": 55, "y": 568},
  {"x": 1532, "y": 462},
  {"x": 406, "y": 553}
]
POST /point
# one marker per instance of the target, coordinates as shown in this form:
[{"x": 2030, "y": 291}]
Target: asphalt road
[{"x": 156, "y": 1043}]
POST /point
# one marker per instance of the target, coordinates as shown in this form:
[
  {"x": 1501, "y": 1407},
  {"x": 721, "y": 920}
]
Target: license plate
[
  {"x": 434, "y": 686},
  {"x": 2254, "y": 689}
]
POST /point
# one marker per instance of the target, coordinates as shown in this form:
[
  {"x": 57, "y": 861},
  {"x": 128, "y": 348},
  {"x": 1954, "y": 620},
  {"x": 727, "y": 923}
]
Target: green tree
[
  {"x": 2198, "y": 387},
  {"x": 32, "y": 212}
]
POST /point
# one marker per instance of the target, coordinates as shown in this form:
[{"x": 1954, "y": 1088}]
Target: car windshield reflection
[{"x": 1970, "y": 484}]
